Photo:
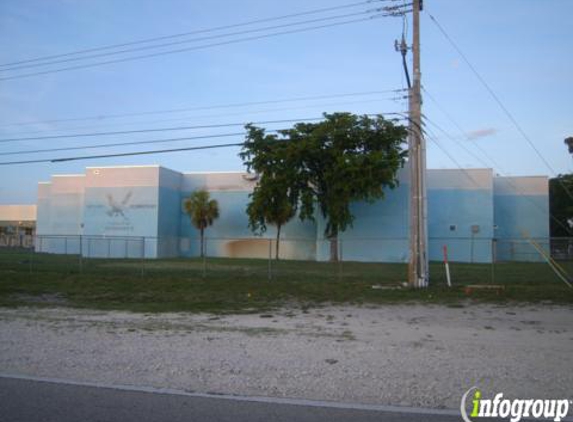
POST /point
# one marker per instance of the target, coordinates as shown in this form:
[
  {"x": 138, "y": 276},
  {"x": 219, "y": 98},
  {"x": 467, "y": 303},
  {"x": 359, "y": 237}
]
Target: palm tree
[{"x": 202, "y": 211}]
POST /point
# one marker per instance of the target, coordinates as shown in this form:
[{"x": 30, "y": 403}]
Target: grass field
[{"x": 242, "y": 285}]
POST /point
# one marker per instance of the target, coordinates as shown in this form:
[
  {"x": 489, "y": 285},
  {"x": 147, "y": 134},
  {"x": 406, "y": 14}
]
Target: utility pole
[{"x": 418, "y": 273}]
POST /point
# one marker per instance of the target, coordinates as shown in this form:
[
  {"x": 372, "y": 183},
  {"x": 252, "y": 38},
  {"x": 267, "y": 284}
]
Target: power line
[
  {"x": 173, "y": 43},
  {"x": 56, "y": 160},
  {"x": 432, "y": 136},
  {"x": 507, "y": 177},
  {"x": 322, "y": 106},
  {"x": 515, "y": 187},
  {"x": 120, "y": 144},
  {"x": 231, "y": 105},
  {"x": 165, "y": 129},
  {"x": 181, "y": 50},
  {"x": 267, "y": 110},
  {"x": 460, "y": 129},
  {"x": 184, "y": 34},
  {"x": 126, "y": 154},
  {"x": 451, "y": 138},
  {"x": 498, "y": 101}
]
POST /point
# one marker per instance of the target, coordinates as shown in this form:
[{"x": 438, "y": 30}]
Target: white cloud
[{"x": 481, "y": 133}]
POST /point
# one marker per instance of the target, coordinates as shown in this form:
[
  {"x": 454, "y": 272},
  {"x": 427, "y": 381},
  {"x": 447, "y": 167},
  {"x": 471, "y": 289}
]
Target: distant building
[
  {"x": 17, "y": 225},
  {"x": 133, "y": 211}
]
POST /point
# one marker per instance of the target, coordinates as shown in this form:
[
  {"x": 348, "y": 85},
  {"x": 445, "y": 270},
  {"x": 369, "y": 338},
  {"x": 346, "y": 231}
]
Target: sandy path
[{"x": 400, "y": 355}]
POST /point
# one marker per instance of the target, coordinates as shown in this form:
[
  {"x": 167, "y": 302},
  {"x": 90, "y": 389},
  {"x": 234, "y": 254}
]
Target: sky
[{"x": 521, "y": 48}]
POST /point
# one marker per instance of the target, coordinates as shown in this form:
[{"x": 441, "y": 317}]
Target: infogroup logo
[{"x": 512, "y": 409}]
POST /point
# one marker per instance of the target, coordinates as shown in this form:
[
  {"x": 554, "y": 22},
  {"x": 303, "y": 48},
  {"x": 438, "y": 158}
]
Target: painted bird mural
[{"x": 115, "y": 209}]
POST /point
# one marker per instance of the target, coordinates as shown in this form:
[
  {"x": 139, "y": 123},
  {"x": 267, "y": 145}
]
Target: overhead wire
[
  {"x": 124, "y": 154},
  {"x": 451, "y": 138},
  {"x": 181, "y": 50},
  {"x": 164, "y": 129},
  {"x": 150, "y": 130},
  {"x": 323, "y": 106},
  {"x": 146, "y": 152},
  {"x": 507, "y": 177},
  {"x": 460, "y": 129},
  {"x": 435, "y": 140},
  {"x": 117, "y": 144},
  {"x": 496, "y": 98},
  {"x": 194, "y": 32},
  {"x": 121, "y": 144},
  {"x": 173, "y": 43},
  {"x": 229, "y": 105}
]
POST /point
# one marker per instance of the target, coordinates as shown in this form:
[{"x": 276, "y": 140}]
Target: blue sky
[{"x": 522, "y": 48}]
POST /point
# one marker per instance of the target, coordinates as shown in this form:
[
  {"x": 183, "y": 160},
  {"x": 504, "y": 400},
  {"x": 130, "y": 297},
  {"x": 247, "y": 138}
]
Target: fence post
[
  {"x": 340, "y": 257},
  {"x": 270, "y": 274},
  {"x": 81, "y": 255},
  {"x": 30, "y": 259},
  {"x": 66, "y": 245},
  {"x": 142, "y": 256},
  {"x": 204, "y": 246},
  {"x": 493, "y": 257}
]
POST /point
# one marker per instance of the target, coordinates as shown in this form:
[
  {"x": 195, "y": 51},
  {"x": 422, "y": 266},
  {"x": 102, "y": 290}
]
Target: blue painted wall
[
  {"x": 120, "y": 205},
  {"x": 230, "y": 233},
  {"x": 136, "y": 216},
  {"x": 460, "y": 210},
  {"x": 379, "y": 232},
  {"x": 168, "y": 228},
  {"x": 515, "y": 214}
]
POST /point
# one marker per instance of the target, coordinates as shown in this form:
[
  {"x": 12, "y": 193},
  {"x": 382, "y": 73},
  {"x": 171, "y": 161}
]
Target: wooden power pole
[{"x": 418, "y": 272}]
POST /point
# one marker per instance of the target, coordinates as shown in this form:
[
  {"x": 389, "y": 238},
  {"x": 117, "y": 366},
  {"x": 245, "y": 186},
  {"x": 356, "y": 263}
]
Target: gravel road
[{"x": 415, "y": 355}]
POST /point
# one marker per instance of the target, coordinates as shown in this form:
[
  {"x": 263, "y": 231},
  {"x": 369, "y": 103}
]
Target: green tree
[
  {"x": 330, "y": 164},
  {"x": 273, "y": 201},
  {"x": 202, "y": 211},
  {"x": 561, "y": 205}
]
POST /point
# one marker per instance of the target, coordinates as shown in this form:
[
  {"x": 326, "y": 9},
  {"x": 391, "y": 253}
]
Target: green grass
[{"x": 242, "y": 285}]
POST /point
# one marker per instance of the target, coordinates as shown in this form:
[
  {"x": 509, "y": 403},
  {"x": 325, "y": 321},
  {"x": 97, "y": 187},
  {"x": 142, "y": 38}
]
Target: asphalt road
[{"x": 30, "y": 401}]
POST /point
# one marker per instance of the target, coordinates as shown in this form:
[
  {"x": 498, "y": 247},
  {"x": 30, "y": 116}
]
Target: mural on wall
[
  {"x": 120, "y": 211},
  {"x": 131, "y": 213},
  {"x": 117, "y": 209}
]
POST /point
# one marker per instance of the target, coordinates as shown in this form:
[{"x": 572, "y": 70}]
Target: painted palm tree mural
[{"x": 202, "y": 211}]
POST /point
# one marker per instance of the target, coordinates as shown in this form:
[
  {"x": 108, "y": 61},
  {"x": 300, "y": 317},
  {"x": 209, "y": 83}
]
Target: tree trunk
[
  {"x": 278, "y": 241},
  {"x": 334, "y": 248},
  {"x": 202, "y": 242}
]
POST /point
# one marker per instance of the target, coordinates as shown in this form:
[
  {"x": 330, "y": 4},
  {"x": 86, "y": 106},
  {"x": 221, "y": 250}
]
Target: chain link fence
[
  {"x": 257, "y": 257},
  {"x": 562, "y": 248},
  {"x": 16, "y": 240}
]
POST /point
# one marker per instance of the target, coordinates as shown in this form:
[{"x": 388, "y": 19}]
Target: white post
[{"x": 447, "y": 265}]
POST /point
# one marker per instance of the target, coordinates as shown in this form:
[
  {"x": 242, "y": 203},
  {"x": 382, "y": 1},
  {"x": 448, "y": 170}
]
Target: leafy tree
[
  {"x": 273, "y": 201},
  {"x": 561, "y": 205},
  {"x": 332, "y": 163},
  {"x": 202, "y": 211}
]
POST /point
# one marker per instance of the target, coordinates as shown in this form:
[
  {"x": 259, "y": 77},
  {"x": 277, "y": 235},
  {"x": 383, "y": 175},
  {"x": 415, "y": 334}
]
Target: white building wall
[{"x": 121, "y": 211}]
